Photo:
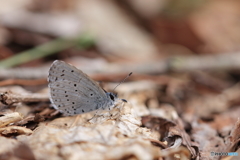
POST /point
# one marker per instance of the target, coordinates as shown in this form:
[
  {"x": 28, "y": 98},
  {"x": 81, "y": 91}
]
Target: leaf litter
[{"x": 181, "y": 114}]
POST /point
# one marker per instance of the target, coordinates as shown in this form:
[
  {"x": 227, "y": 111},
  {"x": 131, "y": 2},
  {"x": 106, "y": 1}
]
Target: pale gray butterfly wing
[{"x": 73, "y": 92}]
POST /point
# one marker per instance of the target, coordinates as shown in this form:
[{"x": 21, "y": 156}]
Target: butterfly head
[{"x": 114, "y": 97}]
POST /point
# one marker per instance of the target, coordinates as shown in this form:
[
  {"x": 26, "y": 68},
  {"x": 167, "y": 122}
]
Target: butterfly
[{"x": 74, "y": 92}]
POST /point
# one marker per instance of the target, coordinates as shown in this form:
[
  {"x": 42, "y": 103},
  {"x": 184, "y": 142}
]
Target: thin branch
[{"x": 9, "y": 98}]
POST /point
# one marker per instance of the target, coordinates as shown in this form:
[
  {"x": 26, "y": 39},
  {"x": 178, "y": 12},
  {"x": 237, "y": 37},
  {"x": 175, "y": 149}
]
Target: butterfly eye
[{"x": 111, "y": 96}]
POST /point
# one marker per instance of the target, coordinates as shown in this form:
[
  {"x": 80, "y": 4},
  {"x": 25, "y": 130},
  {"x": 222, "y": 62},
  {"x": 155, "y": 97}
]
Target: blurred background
[
  {"x": 188, "y": 48},
  {"x": 185, "y": 46},
  {"x": 145, "y": 36},
  {"x": 184, "y": 56}
]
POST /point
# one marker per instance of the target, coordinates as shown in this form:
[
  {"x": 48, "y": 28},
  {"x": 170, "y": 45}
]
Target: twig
[
  {"x": 221, "y": 62},
  {"x": 23, "y": 82},
  {"x": 11, "y": 98},
  {"x": 24, "y": 73},
  {"x": 226, "y": 61}
]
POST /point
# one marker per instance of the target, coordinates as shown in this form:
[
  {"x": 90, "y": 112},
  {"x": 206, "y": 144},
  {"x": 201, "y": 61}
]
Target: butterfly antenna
[{"x": 123, "y": 80}]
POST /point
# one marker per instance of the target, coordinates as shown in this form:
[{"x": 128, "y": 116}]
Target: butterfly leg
[
  {"x": 96, "y": 116},
  {"x": 117, "y": 121}
]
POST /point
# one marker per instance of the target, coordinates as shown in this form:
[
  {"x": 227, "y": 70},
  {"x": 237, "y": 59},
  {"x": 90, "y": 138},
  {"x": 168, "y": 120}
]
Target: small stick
[
  {"x": 8, "y": 98},
  {"x": 23, "y": 82}
]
